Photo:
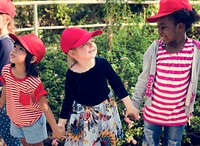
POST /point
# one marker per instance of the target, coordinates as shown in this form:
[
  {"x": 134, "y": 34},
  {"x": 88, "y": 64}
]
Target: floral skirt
[{"x": 98, "y": 125}]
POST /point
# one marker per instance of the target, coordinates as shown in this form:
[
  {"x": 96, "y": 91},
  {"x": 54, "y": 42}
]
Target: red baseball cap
[
  {"x": 32, "y": 44},
  {"x": 7, "y": 7},
  {"x": 74, "y": 37},
  {"x": 168, "y": 7}
]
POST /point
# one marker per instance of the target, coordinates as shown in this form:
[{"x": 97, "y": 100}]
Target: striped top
[
  {"x": 22, "y": 96},
  {"x": 170, "y": 87}
]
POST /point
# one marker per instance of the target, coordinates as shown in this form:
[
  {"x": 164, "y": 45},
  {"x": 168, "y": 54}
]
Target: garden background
[{"x": 122, "y": 45}]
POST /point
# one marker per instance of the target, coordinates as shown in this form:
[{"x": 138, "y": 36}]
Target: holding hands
[
  {"x": 131, "y": 113},
  {"x": 62, "y": 123},
  {"x": 58, "y": 133}
]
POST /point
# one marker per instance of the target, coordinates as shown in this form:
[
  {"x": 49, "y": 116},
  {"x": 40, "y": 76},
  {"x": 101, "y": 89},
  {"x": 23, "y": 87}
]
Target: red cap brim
[
  {"x": 24, "y": 44},
  {"x": 154, "y": 18},
  {"x": 87, "y": 36}
]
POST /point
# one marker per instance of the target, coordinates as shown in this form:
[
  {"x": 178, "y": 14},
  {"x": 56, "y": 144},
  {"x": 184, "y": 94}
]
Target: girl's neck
[
  {"x": 3, "y": 32},
  {"x": 19, "y": 72},
  {"x": 83, "y": 66},
  {"x": 176, "y": 46}
]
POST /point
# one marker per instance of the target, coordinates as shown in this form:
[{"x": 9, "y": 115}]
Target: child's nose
[
  {"x": 160, "y": 31},
  {"x": 14, "y": 50}
]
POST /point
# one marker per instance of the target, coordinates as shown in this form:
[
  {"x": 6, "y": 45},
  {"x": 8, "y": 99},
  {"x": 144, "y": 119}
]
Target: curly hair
[{"x": 186, "y": 17}]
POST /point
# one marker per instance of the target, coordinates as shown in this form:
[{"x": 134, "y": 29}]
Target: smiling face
[
  {"x": 18, "y": 54},
  {"x": 168, "y": 31},
  {"x": 86, "y": 51}
]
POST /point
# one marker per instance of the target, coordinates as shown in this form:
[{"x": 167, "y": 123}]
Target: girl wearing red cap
[
  {"x": 89, "y": 109},
  {"x": 170, "y": 75},
  {"x": 26, "y": 102},
  {"x": 7, "y": 12}
]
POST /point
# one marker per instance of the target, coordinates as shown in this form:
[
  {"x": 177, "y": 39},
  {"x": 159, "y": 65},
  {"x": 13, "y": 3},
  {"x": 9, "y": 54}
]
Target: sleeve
[
  {"x": 2, "y": 80},
  {"x": 114, "y": 81},
  {"x": 5, "y": 46},
  {"x": 140, "y": 87},
  {"x": 68, "y": 100},
  {"x": 40, "y": 91},
  {"x": 197, "y": 43}
]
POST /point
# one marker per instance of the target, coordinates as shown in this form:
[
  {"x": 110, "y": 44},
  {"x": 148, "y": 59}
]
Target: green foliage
[
  {"x": 53, "y": 69},
  {"x": 123, "y": 46}
]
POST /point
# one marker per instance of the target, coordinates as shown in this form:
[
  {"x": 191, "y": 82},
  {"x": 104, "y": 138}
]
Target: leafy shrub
[{"x": 123, "y": 46}]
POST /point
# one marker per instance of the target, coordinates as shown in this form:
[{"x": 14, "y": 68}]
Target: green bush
[{"x": 122, "y": 46}]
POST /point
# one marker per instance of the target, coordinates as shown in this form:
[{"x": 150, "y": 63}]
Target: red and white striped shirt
[
  {"x": 22, "y": 96},
  {"x": 170, "y": 87}
]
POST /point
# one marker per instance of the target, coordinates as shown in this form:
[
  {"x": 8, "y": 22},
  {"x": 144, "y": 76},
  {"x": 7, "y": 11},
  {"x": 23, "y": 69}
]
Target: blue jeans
[{"x": 172, "y": 135}]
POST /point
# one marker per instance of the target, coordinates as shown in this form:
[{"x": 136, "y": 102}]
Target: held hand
[
  {"x": 130, "y": 109},
  {"x": 59, "y": 133},
  {"x": 61, "y": 126},
  {"x": 62, "y": 123},
  {"x": 131, "y": 114}
]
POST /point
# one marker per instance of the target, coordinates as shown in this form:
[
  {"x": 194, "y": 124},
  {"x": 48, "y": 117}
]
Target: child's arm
[
  {"x": 3, "y": 97},
  {"x": 130, "y": 109},
  {"x": 57, "y": 132}
]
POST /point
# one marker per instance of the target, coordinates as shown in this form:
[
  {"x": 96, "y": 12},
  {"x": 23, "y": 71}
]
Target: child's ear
[
  {"x": 181, "y": 27},
  {"x": 34, "y": 59},
  {"x": 71, "y": 53},
  {"x": 7, "y": 18}
]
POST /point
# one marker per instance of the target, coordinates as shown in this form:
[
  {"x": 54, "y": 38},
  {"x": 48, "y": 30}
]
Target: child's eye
[
  {"x": 84, "y": 45},
  {"x": 162, "y": 27},
  {"x": 88, "y": 43},
  {"x": 21, "y": 49}
]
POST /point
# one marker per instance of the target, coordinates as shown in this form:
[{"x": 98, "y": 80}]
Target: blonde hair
[{"x": 11, "y": 25}]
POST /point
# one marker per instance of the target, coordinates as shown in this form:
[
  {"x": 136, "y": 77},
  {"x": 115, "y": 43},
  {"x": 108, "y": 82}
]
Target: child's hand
[
  {"x": 54, "y": 142},
  {"x": 61, "y": 126},
  {"x": 62, "y": 123},
  {"x": 59, "y": 133},
  {"x": 130, "y": 110},
  {"x": 131, "y": 114}
]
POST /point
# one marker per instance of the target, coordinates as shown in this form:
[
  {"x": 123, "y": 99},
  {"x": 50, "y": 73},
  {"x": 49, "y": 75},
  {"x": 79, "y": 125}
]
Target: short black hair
[
  {"x": 186, "y": 17},
  {"x": 31, "y": 68}
]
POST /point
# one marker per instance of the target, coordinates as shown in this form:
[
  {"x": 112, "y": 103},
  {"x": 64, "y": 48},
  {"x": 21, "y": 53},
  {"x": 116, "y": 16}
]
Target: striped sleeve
[{"x": 40, "y": 91}]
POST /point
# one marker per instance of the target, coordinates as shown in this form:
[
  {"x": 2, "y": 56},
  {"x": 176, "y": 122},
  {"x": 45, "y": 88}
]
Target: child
[
  {"x": 7, "y": 13},
  {"x": 24, "y": 92},
  {"x": 88, "y": 108},
  {"x": 170, "y": 75}
]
